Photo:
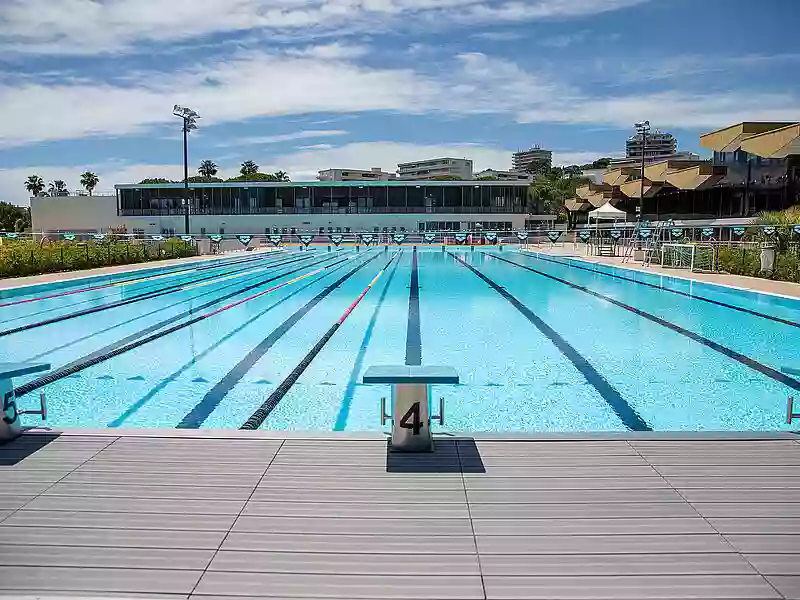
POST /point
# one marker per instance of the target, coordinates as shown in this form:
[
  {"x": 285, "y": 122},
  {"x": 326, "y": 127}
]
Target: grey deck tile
[
  {"x": 764, "y": 543},
  {"x": 346, "y": 564},
  {"x": 601, "y": 544},
  {"x": 200, "y": 468},
  {"x": 591, "y": 526},
  {"x": 333, "y": 496},
  {"x": 742, "y": 495},
  {"x": 413, "y": 527},
  {"x": 460, "y": 587},
  {"x": 13, "y": 502},
  {"x": 11, "y": 476},
  {"x": 137, "y": 505},
  {"x": 4, "y": 514},
  {"x": 211, "y": 454},
  {"x": 35, "y": 594},
  {"x": 557, "y": 448},
  {"x": 70, "y": 579},
  {"x": 776, "y": 564},
  {"x": 734, "y": 482},
  {"x": 615, "y": 564},
  {"x": 363, "y": 510},
  {"x": 122, "y": 538},
  {"x": 581, "y": 511},
  {"x": 567, "y": 496},
  {"x": 757, "y": 525},
  {"x": 728, "y": 459},
  {"x": 120, "y": 490},
  {"x": 593, "y": 472},
  {"x": 108, "y": 520},
  {"x": 104, "y": 556},
  {"x": 386, "y": 482},
  {"x": 352, "y": 544},
  {"x": 711, "y": 446},
  {"x": 339, "y": 471},
  {"x": 187, "y": 479},
  {"x": 557, "y": 460},
  {"x": 46, "y": 464},
  {"x": 788, "y": 585},
  {"x": 28, "y": 488},
  {"x": 748, "y": 509},
  {"x": 739, "y": 470},
  {"x": 562, "y": 483},
  {"x": 633, "y": 587}
]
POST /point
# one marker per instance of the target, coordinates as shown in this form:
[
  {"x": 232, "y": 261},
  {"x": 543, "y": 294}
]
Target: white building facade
[
  {"x": 374, "y": 174},
  {"x": 435, "y": 167},
  {"x": 533, "y": 160},
  {"x": 657, "y": 145}
]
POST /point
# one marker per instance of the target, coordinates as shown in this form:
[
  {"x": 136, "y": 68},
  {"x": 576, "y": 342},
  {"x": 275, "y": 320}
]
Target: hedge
[{"x": 19, "y": 258}]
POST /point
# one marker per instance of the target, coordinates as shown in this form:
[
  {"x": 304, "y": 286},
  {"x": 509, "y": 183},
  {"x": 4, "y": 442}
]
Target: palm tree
[
  {"x": 89, "y": 181},
  {"x": 58, "y": 188},
  {"x": 281, "y": 176},
  {"x": 208, "y": 168},
  {"x": 35, "y": 185},
  {"x": 248, "y": 168}
]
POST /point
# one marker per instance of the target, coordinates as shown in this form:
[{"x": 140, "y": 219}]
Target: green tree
[
  {"x": 19, "y": 225},
  {"x": 57, "y": 187},
  {"x": 152, "y": 180},
  {"x": 89, "y": 181},
  {"x": 249, "y": 168},
  {"x": 208, "y": 168},
  {"x": 34, "y": 184},
  {"x": 602, "y": 163},
  {"x": 203, "y": 179},
  {"x": 281, "y": 176},
  {"x": 10, "y": 214},
  {"x": 487, "y": 178}
]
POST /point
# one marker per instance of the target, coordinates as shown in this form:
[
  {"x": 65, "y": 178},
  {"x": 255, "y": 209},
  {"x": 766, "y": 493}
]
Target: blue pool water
[{"x": 541, "y": 343}]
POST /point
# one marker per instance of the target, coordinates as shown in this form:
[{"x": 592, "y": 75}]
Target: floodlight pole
[
  {"x": 642, "y": 128},
  {"x": 186, "y": 176}
]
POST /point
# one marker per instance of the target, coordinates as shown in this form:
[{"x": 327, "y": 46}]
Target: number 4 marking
[{"x": 413, "y": 414}]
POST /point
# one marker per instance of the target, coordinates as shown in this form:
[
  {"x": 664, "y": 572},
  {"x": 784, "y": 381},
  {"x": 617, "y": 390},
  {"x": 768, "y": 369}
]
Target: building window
[
  {"x": 202, "y": 231},
  {"x": 222, "y": 231}
]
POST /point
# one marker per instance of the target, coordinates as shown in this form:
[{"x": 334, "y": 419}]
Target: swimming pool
[{"x": 541, "y": 343}]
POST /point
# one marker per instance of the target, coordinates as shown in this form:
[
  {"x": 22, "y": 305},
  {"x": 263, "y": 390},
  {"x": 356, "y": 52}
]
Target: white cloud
[
  {"x": 285, "y": 137},
  {"x": 499, "y": 36},
  {"x": 88, "y": 26}
]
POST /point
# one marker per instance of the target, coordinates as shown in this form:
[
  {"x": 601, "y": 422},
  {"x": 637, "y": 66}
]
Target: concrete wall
[
  {"x": 99, "y": 213},
  {"x": 75, "y": 213}
]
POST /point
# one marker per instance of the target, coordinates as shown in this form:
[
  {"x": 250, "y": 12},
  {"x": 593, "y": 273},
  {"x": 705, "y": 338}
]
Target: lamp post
[
  {"x": 189, "y": 123},
  {"x": 642, "y": 129}
]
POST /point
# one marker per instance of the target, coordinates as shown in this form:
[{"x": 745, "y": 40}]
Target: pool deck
[
  {"x": 223, "y": 515},
  {"x": 755, "y": 284}
]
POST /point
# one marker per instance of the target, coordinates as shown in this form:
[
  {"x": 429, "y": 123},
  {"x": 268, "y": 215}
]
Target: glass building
[{"x": 324, "y": 197}]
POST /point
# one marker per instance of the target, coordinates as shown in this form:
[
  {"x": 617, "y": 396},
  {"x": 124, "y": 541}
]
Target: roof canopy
[{"x": 729, "y": 139}]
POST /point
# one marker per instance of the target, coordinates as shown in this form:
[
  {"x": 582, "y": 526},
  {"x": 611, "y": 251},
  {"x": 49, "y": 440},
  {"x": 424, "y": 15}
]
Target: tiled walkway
[{"x": 166, "y": 517}]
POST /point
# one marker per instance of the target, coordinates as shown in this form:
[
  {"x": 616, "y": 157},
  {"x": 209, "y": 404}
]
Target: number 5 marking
[{"x": 412, "y": 414}]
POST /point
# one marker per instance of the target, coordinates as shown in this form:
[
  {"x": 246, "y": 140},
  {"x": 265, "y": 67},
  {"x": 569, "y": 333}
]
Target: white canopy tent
[{"x": 606, "y": 212}]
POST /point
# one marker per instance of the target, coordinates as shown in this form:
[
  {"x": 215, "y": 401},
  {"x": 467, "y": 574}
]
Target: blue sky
[{"x": 303, "y": 85}]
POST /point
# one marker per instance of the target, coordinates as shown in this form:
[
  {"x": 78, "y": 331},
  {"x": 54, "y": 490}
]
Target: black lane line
[
  {"x": 132, "y": 409},
  {"x": 116, "y": 304},
  {"x": 413, "y": 335},
  {"x": 95, "y": 358},
  {"x": 680, "y": 293},
  {"x": 173, "y": 319},
  {"x": 613, "y": 398},
  {"x": 195, "y": 418},
  {"x": 737, "y": 356},
  {"x": 149, "y": 329},
  {"x": 260, "y": 415}
]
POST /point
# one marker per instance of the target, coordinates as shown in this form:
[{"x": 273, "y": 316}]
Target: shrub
[{"x": 19, "y": 258}]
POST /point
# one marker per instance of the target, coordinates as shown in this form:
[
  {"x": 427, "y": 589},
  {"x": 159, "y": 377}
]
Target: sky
[{"x": 305, "y": 85}]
